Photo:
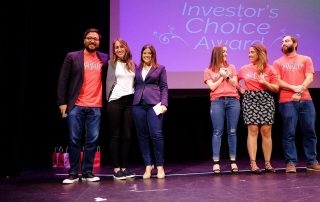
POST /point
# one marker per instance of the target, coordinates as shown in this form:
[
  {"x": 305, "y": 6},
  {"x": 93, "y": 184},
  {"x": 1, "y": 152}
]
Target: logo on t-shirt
[
  {"x": 292, "y": 67},
  {"x": 251, "y": 75},
  {"x": 92, "y": 65}
]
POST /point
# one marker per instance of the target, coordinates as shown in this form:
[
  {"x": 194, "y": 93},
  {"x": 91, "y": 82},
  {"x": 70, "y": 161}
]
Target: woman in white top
[{"x": 119, "y": 94}]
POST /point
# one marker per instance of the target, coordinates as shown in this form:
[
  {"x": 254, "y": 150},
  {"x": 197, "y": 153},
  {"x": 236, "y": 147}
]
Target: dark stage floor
[{"x": 184, "y": 182}]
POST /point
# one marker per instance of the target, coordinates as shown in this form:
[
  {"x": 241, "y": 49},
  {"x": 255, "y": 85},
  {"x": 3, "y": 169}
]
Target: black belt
[{"x": 225, "y": 97}]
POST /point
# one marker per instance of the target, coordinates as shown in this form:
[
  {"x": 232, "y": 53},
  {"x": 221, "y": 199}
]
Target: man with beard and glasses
[
  {"x": 80, "y": 93},
  {"x": 296, "y": 105}
]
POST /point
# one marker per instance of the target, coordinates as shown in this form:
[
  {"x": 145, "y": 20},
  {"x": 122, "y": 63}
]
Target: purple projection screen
[{"x": 185, "y": 31}]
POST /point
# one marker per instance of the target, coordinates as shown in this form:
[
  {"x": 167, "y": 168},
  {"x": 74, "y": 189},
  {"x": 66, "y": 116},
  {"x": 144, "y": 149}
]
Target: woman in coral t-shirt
[
  {"x": 222, "y": 80},
  {"x": 257, "y": 80}
]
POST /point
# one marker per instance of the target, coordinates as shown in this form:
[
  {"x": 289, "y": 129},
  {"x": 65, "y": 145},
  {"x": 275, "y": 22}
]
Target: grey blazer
[{"x": 110, "y": 80}]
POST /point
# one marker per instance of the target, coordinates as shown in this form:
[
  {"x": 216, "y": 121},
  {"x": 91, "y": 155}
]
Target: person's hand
[
  {"x": 262, "y": 79},
  {"x": 242, "y": 91},
  {"x": 223, "y": 72},
  {"x": 296, "y": 97},
  {"x": 63, "y": 109},
  {"x": 163, "y": 109},
  {"x": 298, "y": 89}
]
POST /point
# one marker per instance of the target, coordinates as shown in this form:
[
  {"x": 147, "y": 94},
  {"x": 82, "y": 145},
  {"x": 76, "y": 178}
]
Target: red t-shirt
[
  {"x": 249, "y": 78},
  {"x": 293, "y": 71},
  {"x": 225, "y": 88},
  {"x": 91, "y": 90}
]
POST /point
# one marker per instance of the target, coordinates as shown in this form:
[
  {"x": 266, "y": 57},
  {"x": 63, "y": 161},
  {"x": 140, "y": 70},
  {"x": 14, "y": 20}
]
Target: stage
[{"x": 192, "y": 181}]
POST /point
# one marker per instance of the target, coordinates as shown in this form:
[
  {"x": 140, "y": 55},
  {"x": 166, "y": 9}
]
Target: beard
[
  {"x": 287, "y": 49},
  {"x": 90, "y": 49}
]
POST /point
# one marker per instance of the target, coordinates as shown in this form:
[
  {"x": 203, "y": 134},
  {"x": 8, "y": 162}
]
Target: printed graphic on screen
[{"x": 184, "y": 32}]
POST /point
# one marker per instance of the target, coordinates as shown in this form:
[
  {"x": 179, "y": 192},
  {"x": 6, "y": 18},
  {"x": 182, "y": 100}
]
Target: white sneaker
[{"x": 72, "y": 178}]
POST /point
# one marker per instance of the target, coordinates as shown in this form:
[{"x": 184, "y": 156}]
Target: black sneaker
[
  {"x": 72, "y": 178},
  {"x": 90, "y": 177},
  {"x": 128, "y": 173},
  {"x": 119, "y": 175}
]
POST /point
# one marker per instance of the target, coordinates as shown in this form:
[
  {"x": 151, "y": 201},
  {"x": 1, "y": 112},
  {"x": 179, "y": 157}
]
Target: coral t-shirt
[
  {"x": 293, "y": 71},
  {"x": 91, "y": 90},
  {"x": 225, "y": 88},
  {"x": 249, "y": 78}
]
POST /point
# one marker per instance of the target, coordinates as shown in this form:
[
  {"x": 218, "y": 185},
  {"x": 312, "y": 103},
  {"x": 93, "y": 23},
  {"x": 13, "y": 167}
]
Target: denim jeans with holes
[{"x": 224, "y": 108}]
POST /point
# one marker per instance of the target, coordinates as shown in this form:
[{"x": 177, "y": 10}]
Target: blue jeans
[
  {"x": 83, "y": 119},
  {"x": 304, "y": 112},
  {"x": 149, "y": 126},
  {"x": 229, "y": 108}
]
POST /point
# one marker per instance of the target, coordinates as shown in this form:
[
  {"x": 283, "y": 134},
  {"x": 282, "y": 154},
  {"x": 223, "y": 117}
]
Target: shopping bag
[
  {"x": 61, "y": 158},
  {"x": 55, "y": 157},
  {"x": 66, "y": 161},
  {"x": 97, "y": 157}
]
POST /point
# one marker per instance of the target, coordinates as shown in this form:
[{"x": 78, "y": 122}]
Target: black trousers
[{"x": 120, "y": 127}]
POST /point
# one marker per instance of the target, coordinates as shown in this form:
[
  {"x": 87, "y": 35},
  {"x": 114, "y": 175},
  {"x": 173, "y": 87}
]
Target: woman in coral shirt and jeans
[{"x": 222, "y": 80}]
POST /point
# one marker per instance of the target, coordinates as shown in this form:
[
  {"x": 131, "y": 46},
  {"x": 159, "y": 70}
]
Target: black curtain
[{"x": 35, "y": 36}]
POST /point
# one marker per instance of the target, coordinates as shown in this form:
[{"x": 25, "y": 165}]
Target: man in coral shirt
[
  {"x": 80, "y": 93},
  {"x": 295, "y": 104}
]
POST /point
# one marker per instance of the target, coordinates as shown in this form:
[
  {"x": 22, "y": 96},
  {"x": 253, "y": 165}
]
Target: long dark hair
[{"x": 154, "y": 62}]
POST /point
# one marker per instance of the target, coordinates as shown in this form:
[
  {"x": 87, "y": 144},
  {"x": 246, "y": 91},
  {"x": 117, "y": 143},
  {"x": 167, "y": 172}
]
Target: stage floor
[{"x": 184, "y": 182}]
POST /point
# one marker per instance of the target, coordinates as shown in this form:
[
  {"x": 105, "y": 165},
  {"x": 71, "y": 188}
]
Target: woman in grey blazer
[{"x": 119, "y": 94}]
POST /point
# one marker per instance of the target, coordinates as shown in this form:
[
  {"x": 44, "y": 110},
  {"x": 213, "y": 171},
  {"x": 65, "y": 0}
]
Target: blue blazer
[
  {"x": 154, "y": 88},
  {"x": 71, "y": 77}
]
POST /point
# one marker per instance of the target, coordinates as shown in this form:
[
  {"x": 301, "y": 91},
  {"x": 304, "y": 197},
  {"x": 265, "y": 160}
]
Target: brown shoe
[
  {"x": 314, "y": 167},
  {"x": 291, "y": 168}
]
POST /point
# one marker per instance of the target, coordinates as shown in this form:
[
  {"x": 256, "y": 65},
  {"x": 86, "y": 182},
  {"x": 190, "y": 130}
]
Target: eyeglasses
[{"x": 92, "y": 38}]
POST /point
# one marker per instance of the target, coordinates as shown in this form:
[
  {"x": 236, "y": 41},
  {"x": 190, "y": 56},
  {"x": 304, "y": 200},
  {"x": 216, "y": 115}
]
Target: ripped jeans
[{"x": 224, "y": 108}]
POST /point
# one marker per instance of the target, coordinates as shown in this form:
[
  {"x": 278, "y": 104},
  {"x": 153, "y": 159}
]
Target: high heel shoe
[
  {"x": 268, "y": 168},
  {"x": 216, "y": 167},
  {"x": 160, "y": 174},
  {"x": 147, "y": 173},
  {"x": 254, "y": 168},
  {"x": 234, "y": 167}
]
